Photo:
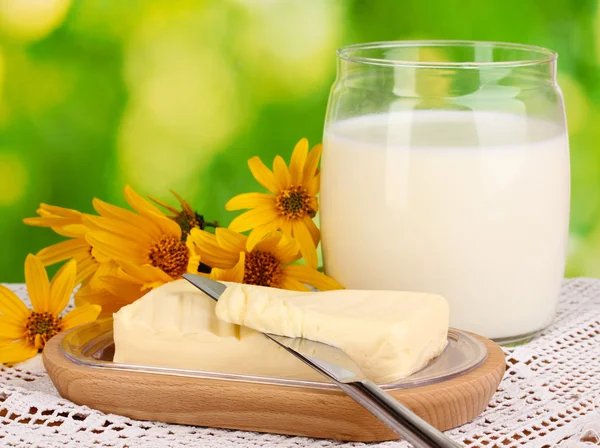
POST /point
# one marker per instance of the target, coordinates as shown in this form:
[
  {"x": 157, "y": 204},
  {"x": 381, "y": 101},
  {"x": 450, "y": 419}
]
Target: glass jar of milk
[{"x": 445, "y": 169}]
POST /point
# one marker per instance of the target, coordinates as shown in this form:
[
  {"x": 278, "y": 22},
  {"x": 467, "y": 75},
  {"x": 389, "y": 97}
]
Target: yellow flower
[
  {"x": 187, "y": 218},
  {"x": 110, "y": 288},
  {"x": 267, "y": 264},
  {"x": 291, "y": 204},
  {"x": 147, "y": 245},
  {"x": 68, "y": 223},
  {"x": 24, "y": 332}
]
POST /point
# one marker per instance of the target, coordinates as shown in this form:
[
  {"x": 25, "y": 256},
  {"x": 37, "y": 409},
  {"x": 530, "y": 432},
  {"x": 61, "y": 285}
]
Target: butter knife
[{"x": 335, "y": 365}]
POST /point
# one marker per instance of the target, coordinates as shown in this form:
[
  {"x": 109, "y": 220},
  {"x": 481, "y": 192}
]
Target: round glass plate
[{"x": 92, "y": 345}]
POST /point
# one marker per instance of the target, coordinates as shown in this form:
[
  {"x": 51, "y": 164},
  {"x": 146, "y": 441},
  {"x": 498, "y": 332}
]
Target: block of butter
[
  {"x": 175, "y": 326},
  {"x": 388, "y": 334}
]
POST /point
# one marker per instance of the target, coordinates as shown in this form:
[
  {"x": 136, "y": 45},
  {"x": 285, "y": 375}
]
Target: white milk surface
[{"x": 470, "y": 205}]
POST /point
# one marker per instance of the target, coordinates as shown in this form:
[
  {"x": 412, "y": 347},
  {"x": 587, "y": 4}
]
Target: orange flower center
[
  {"x": 262, "y": 269},
  {"x": 45, "y": 325},
  {"x": 171, "y": 255},
  {"x": 294, "y": 202}
]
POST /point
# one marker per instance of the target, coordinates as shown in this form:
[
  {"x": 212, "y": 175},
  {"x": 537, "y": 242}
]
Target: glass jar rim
[{"x": 348, "y": 53}]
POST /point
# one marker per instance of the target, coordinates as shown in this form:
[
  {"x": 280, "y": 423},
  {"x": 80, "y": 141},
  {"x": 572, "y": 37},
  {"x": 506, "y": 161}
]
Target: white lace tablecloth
[{"x": 550, "y": 397}]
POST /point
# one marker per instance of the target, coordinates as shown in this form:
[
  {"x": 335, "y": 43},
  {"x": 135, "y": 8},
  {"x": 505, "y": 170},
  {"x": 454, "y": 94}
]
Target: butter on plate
[
  {"x": 176, "y": 326},
  {"x": 390, "y": 335}
]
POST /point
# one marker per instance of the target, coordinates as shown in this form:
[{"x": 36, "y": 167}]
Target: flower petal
[
  {"x": 167, "y": 226},
  {"x": 310, "y": 277},
  {"x": 38, "y": 342},
  {"x": 147, "y": 275},
  {"x": 50, "y": 221},
  {"x": 193, "y": 250},
  {"x": 260, "y": 232},
  {"x": 10, "y": 329},
  {"x": 306, "y": 243},
  {"x": 11, "y": 305},
  {"x": 250, "y": 200},
  {"x": 262, "y": 174},
  {"x": 235, "y": 274},
  {"x": 81, "y": 315},
  {"x": 193, "y": 264},
  {"x": 125, "y": 229},
  {"x": 107, "y": 210},
  {"x": 282, "y": 174},
  {"x": 165, "y": 205},
  {"x": 61, "y": 287},
  {"x": 145, "y": 223},
  {"x": 286, "y": 249},
  {"x": 38, "y": 286},
  {"x": 270, "y": 242},
  {"x": 312, "y": 163},
  {"x": 314, "y": 204},
  {"x": 123, "y": 286},
  {"x": 286, "y": 227},
  {"x": 71, "y": 230},
  {"x": 103, "y": 270},
  {"x": 109, "y": 302},
  {"x": 313, "y": 185},
  {"x": 45, "y": 214},
  {"x": 139, "y": 204},
  {"x": 292, "y": 284},
  {"x": 185, "y": 205},
  {"x": 202, "y": 237},
  {"x": 100, "y": 256},
  {"x": 211, "y": 253},
  {"x": 313, "y": 229},
  {"x": 15, "y": 352},
  {"x": 62, "y": 251},
  {"x": 194, "y": 257},
  {"x": 253, "y": 218},
  {"x": 85, "y": 269},
  {"x": 297, "y": 163},
  {"x": 229, "y": 240},
  {"x": 60, "y": 211},
  {"x": 116, "y": 247}
]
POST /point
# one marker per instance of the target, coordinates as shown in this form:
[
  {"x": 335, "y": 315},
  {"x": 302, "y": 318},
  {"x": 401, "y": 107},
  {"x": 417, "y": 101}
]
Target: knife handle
[{"x": 396, "y": 416}]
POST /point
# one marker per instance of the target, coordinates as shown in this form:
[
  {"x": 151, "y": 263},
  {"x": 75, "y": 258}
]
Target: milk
[{"x": 470, "y": 205}]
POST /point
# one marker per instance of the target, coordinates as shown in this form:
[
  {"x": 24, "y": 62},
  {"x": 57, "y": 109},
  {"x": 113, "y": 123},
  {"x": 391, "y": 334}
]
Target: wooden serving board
[{"x": 280, "y": 409}]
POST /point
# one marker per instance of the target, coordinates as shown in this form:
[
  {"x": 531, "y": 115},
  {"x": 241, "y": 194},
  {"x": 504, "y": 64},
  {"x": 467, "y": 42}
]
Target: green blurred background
[{"x": 179, "y": 94}]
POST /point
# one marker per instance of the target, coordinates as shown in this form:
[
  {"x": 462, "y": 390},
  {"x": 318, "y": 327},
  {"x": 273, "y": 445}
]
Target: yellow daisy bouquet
[{"x": 118, "y": 254}]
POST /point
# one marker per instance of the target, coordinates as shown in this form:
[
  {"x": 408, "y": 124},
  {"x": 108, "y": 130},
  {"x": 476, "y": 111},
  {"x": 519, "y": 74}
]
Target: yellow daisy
[
  {"x": 111, "y": 289},
  {"x": 67, "y": 223},
  {"x": 290, "y": 205},
  {"x": 24, "y": 332},
  {"x": 147, "y": 245},
  {"x": 267, "y": 264},
  {"x": 187, "y": 217}
]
